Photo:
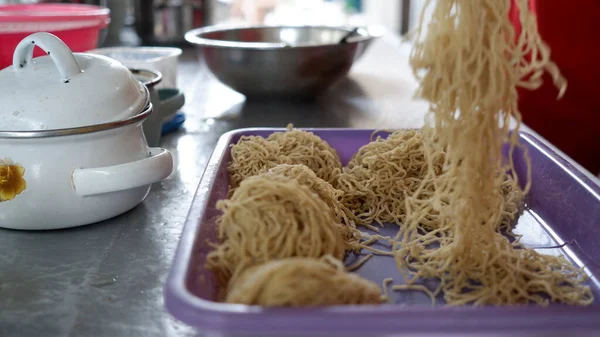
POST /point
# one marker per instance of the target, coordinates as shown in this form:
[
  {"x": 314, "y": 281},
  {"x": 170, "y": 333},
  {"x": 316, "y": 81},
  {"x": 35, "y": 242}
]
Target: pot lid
[{"x": 64, "y": 89}]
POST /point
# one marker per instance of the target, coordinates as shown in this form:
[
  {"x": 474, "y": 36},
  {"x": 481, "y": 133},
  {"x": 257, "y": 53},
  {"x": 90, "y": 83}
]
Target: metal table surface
[{"x": 107, "y": 279}]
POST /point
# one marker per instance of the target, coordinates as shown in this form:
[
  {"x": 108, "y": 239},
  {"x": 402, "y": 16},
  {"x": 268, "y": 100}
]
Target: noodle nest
[
  {"x": 252, "y": 155},
  {"x": 269, "y": 218},
  {"x": 386, "y": 172},
  {"x": 331, "y": 196},
  {"x": 302, "y": 282}
]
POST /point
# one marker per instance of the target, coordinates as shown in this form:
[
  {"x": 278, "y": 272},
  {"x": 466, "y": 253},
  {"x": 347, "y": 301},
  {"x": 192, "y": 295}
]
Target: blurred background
[
  {"x": 164, "y": 22},
  {"x": 151, "y": 34}
]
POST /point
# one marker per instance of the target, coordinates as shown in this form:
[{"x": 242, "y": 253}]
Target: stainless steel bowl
[{"x": 279, "y": 61}]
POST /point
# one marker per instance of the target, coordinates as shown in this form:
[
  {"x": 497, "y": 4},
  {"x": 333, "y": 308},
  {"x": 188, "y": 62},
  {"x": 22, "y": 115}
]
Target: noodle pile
[
  {"x": 302, "y": 282},
  {"x": 331, "y": 196},
  {"x": 252, "y": 155},
  {"x": 284, "y": 213},
  {"x": 291, "y": 211},
  {"x": 383, "y": 173},
  {"x": 273, "y": 219},
  {"x": 470, "y": 78},
  {"x": 306, "y": 148}
]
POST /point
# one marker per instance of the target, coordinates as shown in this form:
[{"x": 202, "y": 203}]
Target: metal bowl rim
[
  {"x": 154, "y": 76},
  {"x": 193, "y": 36}
]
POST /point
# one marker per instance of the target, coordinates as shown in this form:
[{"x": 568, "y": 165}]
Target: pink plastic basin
[{"x": 77, "y": 25}]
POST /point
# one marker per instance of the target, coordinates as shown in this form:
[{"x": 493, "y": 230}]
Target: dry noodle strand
[{"x": 359, "y": 263}]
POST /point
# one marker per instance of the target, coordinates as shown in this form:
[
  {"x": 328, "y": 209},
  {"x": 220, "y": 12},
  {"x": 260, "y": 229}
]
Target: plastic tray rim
[{"x": 209, "y": 315}]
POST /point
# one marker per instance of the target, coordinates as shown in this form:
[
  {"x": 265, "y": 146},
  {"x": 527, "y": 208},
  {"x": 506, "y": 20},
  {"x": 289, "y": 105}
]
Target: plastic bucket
[{"x": 76, "y": 25}]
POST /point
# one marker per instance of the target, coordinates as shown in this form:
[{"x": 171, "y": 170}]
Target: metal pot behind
[
  {"x": 166, "y": 102},
  {"x": 165, "y": 22}
]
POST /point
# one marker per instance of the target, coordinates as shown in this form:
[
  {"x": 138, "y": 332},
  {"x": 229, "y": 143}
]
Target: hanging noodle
[
  {"x": 302, "y": 282},
  {"x": 469, "y": 67}
]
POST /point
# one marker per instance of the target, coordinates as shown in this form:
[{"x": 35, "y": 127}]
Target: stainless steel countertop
[{"x": 107, "y": 279}]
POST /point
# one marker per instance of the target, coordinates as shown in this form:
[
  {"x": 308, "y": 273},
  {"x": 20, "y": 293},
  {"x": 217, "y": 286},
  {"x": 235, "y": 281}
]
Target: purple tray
[{"x": 563, "y": 206}]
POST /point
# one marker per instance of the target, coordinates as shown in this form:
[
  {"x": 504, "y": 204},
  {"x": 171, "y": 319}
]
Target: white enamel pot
[{"x": 64, "y": 177}]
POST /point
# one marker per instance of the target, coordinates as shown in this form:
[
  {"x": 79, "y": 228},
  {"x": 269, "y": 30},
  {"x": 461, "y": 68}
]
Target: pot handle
[
  {"x": 92, "y": 181},
  {"x": 60, "y": 53}
]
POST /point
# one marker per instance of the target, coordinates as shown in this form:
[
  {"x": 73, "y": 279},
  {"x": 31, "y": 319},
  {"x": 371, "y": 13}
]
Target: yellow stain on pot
[{"x": 12, "y": 181}]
